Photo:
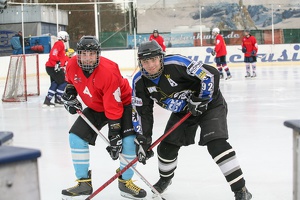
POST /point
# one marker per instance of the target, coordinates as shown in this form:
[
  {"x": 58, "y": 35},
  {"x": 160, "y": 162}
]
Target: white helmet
[
  {"x": 63, "y": 35},
  {"x": 216, "y": 30}
]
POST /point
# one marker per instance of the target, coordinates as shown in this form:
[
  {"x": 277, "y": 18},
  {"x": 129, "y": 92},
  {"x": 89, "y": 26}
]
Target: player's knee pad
[
  {"x": 53, "y": 86},
  {"x": 62, "y": 86},
  {"x": 216, "y": 147},
  {"x": 167, "y": 151},
  {"x": 128, "y": 145},
  {"x": 76, "y": 142}
]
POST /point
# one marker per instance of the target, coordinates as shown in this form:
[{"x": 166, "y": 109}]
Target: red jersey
[
  {"x": 57, "y": 53},
  {"x": 220, "y": 46},
  {"x": 159, "y": 40},
  {"x": 250, "y": 44},
  {"x": 105, "y": 90}
]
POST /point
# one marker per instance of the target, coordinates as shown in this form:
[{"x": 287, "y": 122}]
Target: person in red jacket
[
  {"x": 220, "y": 52},
  {"x": 107, "y": 95},
  {"x": 159, "y": 39},
  {"x": 54, "y": 68},
  {"x": 249, "y": 48}
]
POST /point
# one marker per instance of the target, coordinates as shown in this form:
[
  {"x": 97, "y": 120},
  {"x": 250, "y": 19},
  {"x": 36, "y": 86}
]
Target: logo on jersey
[
  {"x": 194, "y": 68},
  {"x": 117, "y": 94},
  {"x": 202, "y": 75},
  {"x": 77, "y": 79},
  {"x": 172, "y": 83},
  {"x": 184, "y": 94},
  {"x": 152, "y": 89},
  {"x": 136, "y": 101},
  {"x": 87, "y": 91}
]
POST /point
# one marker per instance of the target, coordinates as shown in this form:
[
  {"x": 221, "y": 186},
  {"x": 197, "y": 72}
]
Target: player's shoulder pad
[
  {"x": 136, "y": 78},
  {"x": 106, "y": 61},
  {"x": 177, "y": 59}
]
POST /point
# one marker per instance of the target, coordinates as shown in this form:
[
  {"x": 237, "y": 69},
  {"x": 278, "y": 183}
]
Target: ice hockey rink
[{"x": 257, "y": 109}]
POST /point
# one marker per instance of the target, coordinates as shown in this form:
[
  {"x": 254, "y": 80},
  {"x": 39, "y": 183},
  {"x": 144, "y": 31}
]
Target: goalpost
[{"x": 22, "y": 78}]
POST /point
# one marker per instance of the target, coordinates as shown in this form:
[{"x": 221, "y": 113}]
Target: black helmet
[
  {"x": 155, "y": 31},
  {"x": 88, "y": 43},
  {"x": 148, "y": 50}
]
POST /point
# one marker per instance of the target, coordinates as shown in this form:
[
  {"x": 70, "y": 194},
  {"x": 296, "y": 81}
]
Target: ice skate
[
  {"x": 162, "y": 184},
  {"x": 47, "y": 103},
  {"x": 221, "y": 76},
  {"x": 129, "y": 190},
  {"x": 228, "y": 77},
  {"x": 82, "y": 190},
  {"x": 243, "y": 194},
  {"x": 248, "y": 75},
  {"x": 253, "y": 75}
]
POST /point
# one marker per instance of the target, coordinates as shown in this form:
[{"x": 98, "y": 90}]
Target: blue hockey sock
[
  {"x": 52, "y": 90},
  {"x": 80, "y": 155},
  {"x": 129, "y": 154},
  {"x": 60, "y": 89}
]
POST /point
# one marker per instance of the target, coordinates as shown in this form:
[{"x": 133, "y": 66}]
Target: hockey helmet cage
[
  {"x": 149, "y": 50},
  {"x": 63, "y": 35},
  {"x": 216, "y": 30},
  {"x": 88, "y": 44}
]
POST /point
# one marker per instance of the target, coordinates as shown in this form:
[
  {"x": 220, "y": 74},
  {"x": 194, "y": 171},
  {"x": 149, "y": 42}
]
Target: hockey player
[
  {"x": 220, "y": 52},
  {"x": 57, "y": 60},
  {"x": 159, "y": 39},
  {"x": 107, "y": 95},
  {"x": 182, "y": 85},
  {"x": 249, "y": 48}
]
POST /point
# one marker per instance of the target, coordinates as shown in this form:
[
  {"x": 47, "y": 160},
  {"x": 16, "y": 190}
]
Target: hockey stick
[
  {"x": 130, "y": 76},
  {"x": 121, "y": 156},
  {"x": 136, "y": 158}
]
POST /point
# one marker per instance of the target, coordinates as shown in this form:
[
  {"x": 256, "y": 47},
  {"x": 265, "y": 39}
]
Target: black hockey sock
[{"x": 225, "y": 158}]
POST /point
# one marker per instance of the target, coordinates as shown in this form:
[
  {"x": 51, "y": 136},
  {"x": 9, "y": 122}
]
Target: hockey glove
[
  {"x": 57, "y": 66},
  {"x": 253, "y": 53},
  {"x": 142, "y": 148},
  {"x": 244, "y": 50},
  {"x": 213, "y": 52},
  {"x": 70, "y": 100},
  {"x": 115, "y": 139},
  {"x": 197, "y": 105},
  {"x": 73, "y": 106}
]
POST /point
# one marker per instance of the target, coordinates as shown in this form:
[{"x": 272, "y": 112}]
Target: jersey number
[{"x": 208, "y": 87}]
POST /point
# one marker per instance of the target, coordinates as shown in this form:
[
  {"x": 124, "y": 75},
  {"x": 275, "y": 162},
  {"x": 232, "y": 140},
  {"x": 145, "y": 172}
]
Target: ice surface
[{"x": 257, "y": 109}]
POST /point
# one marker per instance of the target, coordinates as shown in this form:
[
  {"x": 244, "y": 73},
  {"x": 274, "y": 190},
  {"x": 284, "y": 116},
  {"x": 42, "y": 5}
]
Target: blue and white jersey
[{"x": 181, "y": 78}]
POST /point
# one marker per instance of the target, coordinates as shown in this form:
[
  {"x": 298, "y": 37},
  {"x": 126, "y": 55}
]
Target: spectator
[
  {"x": 17, "y": 43},
  {"x": 159, "y": 39}
]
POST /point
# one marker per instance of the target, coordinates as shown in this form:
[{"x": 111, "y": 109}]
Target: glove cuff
[{"x": 114, "y": 127}]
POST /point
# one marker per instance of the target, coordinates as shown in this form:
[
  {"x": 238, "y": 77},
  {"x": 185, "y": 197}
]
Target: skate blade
[
  {"x": 129, "y": 196},
  {"x": 81, "y": 197},
  {"x": 157, "y": 197}
]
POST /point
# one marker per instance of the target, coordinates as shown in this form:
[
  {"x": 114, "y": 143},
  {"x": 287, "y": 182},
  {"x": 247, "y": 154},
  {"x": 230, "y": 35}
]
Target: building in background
[{"x": 40, "y": 23}]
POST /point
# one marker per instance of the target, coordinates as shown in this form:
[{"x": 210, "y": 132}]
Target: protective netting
[{"x": 22, "y": 78}]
